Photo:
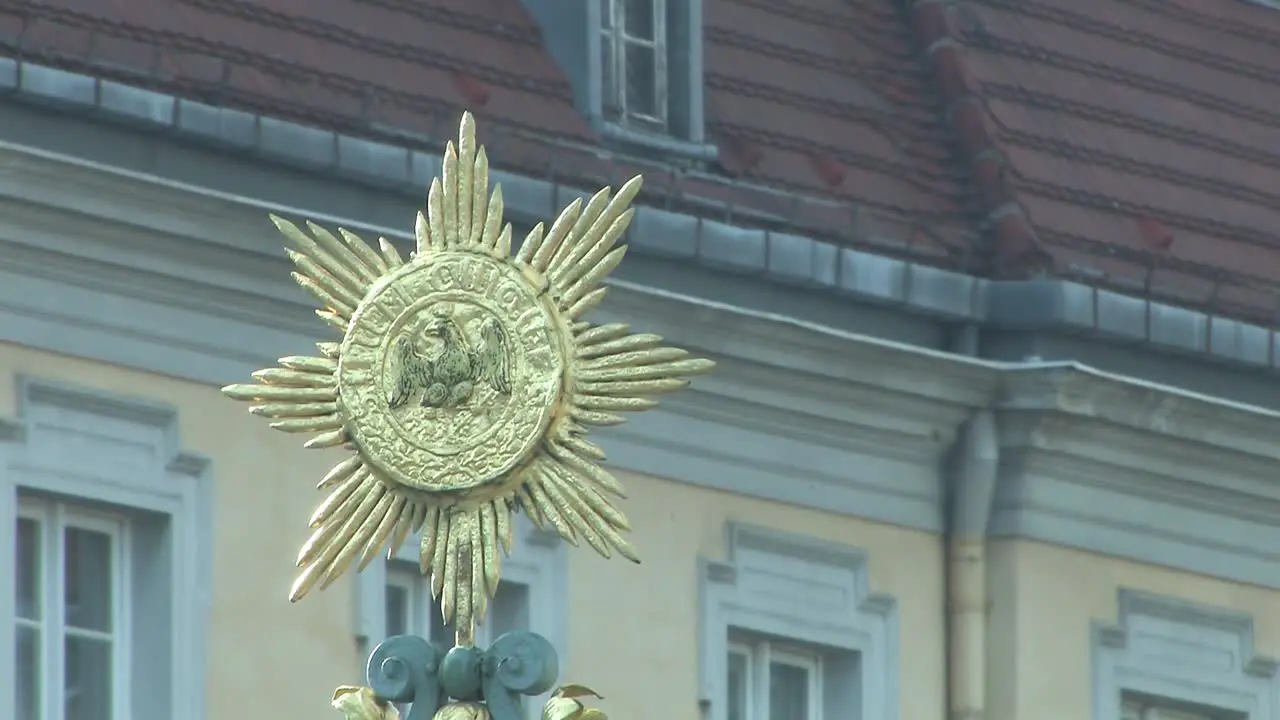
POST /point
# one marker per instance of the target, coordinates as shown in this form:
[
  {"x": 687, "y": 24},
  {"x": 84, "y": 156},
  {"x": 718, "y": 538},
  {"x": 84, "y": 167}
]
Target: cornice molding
[
  {"x": 1127, "y": 468},
  {"x": 146, "y": 273},
  {"x": 1104, "y": 398},
  {"x": 181, "y": 281},
  {"x": 263, "y": 156}
]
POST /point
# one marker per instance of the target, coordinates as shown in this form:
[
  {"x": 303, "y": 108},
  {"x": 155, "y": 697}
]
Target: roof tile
[
  {"x": 1122, "y": 114},
  {"x": 787, "y": 81},
  {"x": 1087, "y": 129}
]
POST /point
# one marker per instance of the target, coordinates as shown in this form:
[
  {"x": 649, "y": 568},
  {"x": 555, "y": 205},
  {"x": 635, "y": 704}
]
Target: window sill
[{"x": 662, "y": 143}]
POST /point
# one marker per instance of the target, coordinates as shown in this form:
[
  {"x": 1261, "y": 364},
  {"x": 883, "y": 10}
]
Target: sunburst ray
[{"x": 580, "y": 375}]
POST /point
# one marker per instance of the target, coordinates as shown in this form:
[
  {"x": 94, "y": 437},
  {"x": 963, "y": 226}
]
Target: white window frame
[
  {"x": 614, "y": 35},
  {"x": 578, "y": 36},
  {"x": 1136, "y": 708},
  {"x": 422, "y": 607},
  {"x": 121, "y": 456},
  {"x": 54, "y": 518},
  {"x": 760, "y": 657}
]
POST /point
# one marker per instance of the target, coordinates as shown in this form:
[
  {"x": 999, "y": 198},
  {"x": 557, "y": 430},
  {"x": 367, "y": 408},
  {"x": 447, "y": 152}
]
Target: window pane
[
  {"x": 509, "y": 609},
  {"x": 88, "y": 679},
  {"x": 788, "y": 692},
  {"x": 441, "y": 634},
  {"x": 397, "y": 611},
  {"x": 88, "y": 579},
  {"x": 639, "y": 18},
  {"x": 1134, "y": 708},
  {"x": 606, "y": 14},
  {"x": 28, "y": 673},
  {"x": 737, "y": 686},
  {"x": 609, "y": 78},
  {"x": 28, "y": 568},
  {"x": 641, "y": 77}
]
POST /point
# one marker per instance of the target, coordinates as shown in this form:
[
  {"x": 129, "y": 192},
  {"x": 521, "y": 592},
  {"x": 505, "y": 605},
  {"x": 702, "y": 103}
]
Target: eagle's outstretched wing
[
  {"x": 493, "y": 356},
  {"x": 405, "y": 373}
]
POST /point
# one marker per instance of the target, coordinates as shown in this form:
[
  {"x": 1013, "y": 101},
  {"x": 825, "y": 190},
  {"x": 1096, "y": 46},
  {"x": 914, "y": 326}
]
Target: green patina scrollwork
[{"x": 464, "y": 683}]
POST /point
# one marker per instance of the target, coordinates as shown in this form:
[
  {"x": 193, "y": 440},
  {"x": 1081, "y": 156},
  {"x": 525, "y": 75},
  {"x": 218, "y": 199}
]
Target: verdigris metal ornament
[{"x": 464, "y": 386}]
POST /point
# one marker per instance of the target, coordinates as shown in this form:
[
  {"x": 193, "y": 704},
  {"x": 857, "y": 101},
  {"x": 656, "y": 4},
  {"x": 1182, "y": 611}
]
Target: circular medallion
[
  {"x": 465, "y": 384},
  {"x": 450, "y": 371}
]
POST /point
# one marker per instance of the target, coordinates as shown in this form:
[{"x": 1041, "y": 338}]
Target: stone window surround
[
  {"x": 855, "y": 629},
  {"x": 125, "y": 454},
  {"x": 1185, "y": 653}
]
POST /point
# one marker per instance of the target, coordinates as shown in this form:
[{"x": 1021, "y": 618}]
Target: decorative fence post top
[{"x": 463, "y": 387}]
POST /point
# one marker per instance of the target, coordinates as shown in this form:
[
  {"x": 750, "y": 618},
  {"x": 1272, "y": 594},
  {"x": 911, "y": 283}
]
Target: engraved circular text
[{"x": 449, "y": 373}]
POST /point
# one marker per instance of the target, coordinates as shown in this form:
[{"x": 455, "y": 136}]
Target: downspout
[
  {"x": 972, "y": 490},
  {"x": 974, "y": 467}
]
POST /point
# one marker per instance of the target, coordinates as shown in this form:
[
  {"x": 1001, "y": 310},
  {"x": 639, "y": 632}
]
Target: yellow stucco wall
[
  {"x": 641, "y": 621},
  {"x": 1044, "y": 601},
  {"x": 283, "y": 659},
  {"x": 627, "y": 621}
]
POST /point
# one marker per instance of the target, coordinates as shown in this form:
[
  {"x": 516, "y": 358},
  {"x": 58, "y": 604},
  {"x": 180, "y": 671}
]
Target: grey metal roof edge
[
  {"x": 1074, "y": 307},
  {"x": 783, "y": 258}
]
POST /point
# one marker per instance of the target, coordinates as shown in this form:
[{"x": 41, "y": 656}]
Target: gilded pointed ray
[{"x": 464, "y": 384}]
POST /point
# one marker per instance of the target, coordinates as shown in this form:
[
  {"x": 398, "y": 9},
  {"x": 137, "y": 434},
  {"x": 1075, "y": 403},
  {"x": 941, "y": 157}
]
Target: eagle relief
[
  {"x": 448, "y": 378},
  {"x": 451, "y": 367},
  {"x": 465, "y": 383}
]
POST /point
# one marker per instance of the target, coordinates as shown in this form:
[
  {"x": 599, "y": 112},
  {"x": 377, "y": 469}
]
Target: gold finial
[
  {"x": 360, "y": 703},
  {"x": 464, "y": 385},
  {"x": 565, "y": 705}
]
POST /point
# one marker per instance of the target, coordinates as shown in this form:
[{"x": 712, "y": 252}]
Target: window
[
  {"x": 412, "y": 611},
  {"x": 1142, "y": 708},
  {"x": 769, "y": 681},
  {"x": 1170, "y": 659},
  {"x": 790, "y": 631},
  {"x": 72, "y": 649},
  {"x": 105, "y": 557},
  {"x": 635, "y": 68},
  {"x": 633, "y": 49}
]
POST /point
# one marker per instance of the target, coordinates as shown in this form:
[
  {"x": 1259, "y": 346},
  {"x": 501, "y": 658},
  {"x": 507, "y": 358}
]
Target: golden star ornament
[{"x": 464, "y": 385}]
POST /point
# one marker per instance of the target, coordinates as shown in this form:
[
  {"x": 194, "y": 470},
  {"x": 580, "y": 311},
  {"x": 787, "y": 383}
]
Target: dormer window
[
  {"x": 635, "y": 67},
  {"x": 633, "y": 76}
]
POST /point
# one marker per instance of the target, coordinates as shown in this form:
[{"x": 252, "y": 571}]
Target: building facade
[{"x": 908, "y": 491}]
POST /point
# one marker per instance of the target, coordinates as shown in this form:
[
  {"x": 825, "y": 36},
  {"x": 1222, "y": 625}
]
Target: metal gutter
[
  {"x": 782, "y": 259},
  {"x": 954, "y": 358}
]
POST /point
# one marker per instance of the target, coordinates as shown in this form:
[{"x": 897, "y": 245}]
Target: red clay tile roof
[
  {"x": 1129, "y": 142},
  {"x": 1133, "y": 143},
  {"x": 823, "y": 100},
  {"x": 829, "y": 97}
]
